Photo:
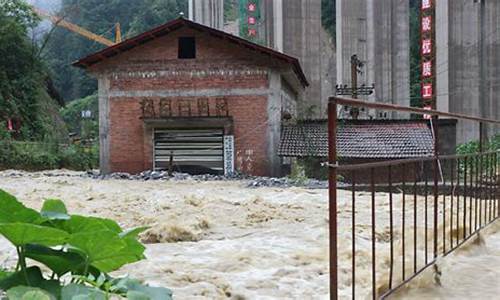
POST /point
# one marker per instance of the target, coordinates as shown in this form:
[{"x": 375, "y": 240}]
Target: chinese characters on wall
[
  {"x": 201, "y": 107},
  {"x": 249, "y": 19},
  {"x": 427, "y": 46}
]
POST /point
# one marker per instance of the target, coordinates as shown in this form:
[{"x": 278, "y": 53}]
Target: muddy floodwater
[{"x": 222, "y": 240}]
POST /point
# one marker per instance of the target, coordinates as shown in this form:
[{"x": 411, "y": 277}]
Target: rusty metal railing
[{"x": 418, "y": 209}]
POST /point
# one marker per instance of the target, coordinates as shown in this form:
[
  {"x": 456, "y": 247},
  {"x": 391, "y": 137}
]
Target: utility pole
[
  {"x": 355, "y": 63},
  {"x": 354, "y": 91}
]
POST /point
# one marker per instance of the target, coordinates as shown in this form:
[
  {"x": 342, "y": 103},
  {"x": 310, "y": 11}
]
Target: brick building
[{"x": 193, "y": 96}]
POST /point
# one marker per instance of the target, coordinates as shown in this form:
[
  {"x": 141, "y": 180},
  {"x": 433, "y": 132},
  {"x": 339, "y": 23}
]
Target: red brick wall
[
  {"x": 161, "y": 54},
  {"x": 126, "y": 136},
  {"x": 131, "y": 140}
]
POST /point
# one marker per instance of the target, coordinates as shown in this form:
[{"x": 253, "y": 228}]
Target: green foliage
[
  {"x": 21, "y": 234},
  {"x": 298, "y": 172},
  {"x": 35, "y": 156},
  {"x": 243, "y": 16},
  {"x": 230, "y": 10},
  {"x": 486, "y": 163},
  {"x": 78, "y": 291},
  {"x": 328, "y": 16},
  {"x": 28, "y": 293},
  {"x": 71, "y": 114},
  {"x": 153, "y": 13},
  {"x": 78, "y": 157},
  {"x": 473, "y": 147},
  {"x": 80, "y": 251},
  {"x": 54, "y": 209},
  {"x": 23, "y": 76},
  {"x": 28, "y": 156},
  {"x": 100, "y": 17}
]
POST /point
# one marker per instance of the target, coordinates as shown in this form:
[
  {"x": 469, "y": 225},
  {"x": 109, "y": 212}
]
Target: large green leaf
[
  {"x": 136, "y": 290},
  {"x": 14, "y": 211},
  {"x": 4, "y": 273},
  {"x": 139, "y": 291},
  {"x": 21, "y": 234},
  {"x": 61, "y": 262},
  {"x": 33, "y": 273},
  {"x": 81, "y": 292},
  {"x": 54, "y": 209},
  {"x": 105, "y": 250},
  {"x": 135, "y": 295},
  {"x": 134, "y": 232},
  {"x": 80, "y": 224},
  {"x": 28, "y": 293},
  {"x": 35, "y": 279}
]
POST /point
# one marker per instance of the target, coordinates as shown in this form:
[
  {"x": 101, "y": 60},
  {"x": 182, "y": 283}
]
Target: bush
[
  {"x": 79, "y": 251},
  {"x": 78, "y": 157},
  {"x": 36, "y": 156},
  {"x": 27, "y": 156},
  {"x": 86, "y": 128},
  {"x": 473, "y": 147}
]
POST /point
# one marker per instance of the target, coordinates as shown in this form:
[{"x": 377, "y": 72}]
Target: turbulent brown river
[{"x": 222, "y": 240}]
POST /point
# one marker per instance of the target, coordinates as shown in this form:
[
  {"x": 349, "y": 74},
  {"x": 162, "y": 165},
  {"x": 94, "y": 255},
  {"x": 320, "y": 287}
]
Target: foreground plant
[{"x": 79, "y": 251}]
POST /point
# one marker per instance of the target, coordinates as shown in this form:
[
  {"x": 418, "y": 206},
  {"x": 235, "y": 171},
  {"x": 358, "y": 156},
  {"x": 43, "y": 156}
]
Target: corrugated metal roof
[{"x": 359, "y": 140}]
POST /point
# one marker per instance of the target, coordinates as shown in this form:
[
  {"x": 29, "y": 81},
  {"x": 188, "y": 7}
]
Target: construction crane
[{"x": 58, "y": 21}]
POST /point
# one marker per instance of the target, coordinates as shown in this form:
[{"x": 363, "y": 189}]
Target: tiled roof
[{"x": 373, "y": 139}]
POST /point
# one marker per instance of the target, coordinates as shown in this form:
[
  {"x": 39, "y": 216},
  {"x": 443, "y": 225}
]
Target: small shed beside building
[
  {"x": 360, "y": 141},
  {"x": 207, "y": 100}
]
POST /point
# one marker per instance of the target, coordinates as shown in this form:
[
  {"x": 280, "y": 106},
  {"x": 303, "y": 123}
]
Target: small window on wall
[{"x": 187, "y": 48}]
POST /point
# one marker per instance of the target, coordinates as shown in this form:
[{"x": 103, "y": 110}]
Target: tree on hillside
[
  {"x": 23, "y": 80},
  {"x": 100, "y": 17},
  {"x": 156, "y": 12}
]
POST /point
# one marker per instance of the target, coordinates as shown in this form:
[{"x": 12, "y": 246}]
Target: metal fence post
[
  {"x": 332, "y": 193},
  {"x": 436, "y": 188},
  {"x": 481, "y": 136}
]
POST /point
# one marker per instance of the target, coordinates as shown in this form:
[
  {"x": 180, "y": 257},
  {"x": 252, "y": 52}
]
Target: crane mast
[{"x": 58, "y": 21}]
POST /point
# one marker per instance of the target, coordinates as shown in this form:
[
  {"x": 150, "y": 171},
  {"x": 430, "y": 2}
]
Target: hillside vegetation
[
  {"x": 24, "y": 82},
  {"x": 100, "y": 17}
]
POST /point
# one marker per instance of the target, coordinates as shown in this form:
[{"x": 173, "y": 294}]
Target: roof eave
[{"x": 164, "y": 29}]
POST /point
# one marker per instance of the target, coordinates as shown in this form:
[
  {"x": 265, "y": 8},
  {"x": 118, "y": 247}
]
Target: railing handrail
[
  {"x": 468, "y": 189},
  {"x": 396, "y": 162},
  {"x": 416, "y": 110}
]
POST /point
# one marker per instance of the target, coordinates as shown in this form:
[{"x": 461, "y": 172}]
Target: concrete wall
[
  {"x": 491, "y": 72},
  {"x": 294, "y": 27},
  {"x": 207, "y": 12},
  {"x": 378, "y": 32},
  {"x": 468, "y": 62}
]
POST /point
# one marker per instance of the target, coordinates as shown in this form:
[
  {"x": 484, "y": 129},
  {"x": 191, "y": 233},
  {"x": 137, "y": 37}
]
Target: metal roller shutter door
[{"x": 193, "y": 150}]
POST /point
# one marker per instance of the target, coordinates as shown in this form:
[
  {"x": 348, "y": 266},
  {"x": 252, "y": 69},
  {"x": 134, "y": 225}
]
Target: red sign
[
  {"x": 251, "y": 20},
  {"x": 426, "y": 24},
  {"x": 426, "y": 46},
  {"x": 426, "y": 4},
  {"x": 427, "y": 69},
  {"x": 427, "y": 52},
  {"x": 252, "y": 7},
  {"x": 252, "y": 32},
  {"x": 427, "y": 91}
]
